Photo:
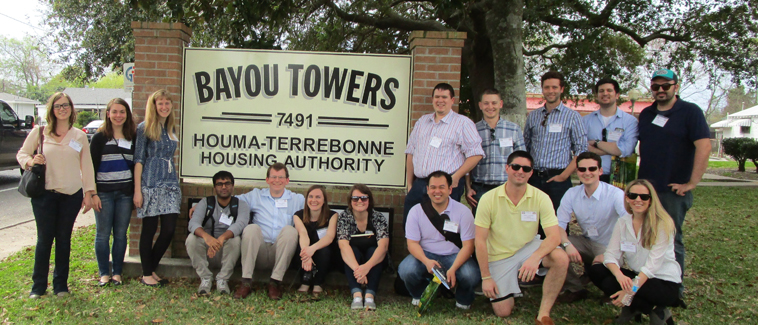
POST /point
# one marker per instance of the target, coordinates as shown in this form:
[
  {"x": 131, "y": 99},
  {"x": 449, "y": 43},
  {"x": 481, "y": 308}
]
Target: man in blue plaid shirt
[{"x": 499, "y": 139}]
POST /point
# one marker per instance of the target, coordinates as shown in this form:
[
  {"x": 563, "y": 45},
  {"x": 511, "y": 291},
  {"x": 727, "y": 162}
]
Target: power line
[{"x": 35, "y": 27}]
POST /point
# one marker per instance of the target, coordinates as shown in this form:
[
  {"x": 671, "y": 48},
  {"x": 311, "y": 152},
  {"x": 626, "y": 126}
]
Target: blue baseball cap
[{"x": 665, "y": 74}]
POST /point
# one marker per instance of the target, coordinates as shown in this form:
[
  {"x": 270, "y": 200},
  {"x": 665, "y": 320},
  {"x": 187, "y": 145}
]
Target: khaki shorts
[{"x": 505, "y": 271}]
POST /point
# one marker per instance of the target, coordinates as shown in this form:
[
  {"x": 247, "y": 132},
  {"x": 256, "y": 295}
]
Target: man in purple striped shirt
[{"x": 443, "y": 140}]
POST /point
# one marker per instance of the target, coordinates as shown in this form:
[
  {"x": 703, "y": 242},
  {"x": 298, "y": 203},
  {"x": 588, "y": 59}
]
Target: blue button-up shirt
[
  {"x": 554, "y": 150},
  {"x": 491, "y": 169},
  {"x": 622, "y": 122},
  {"x": 266, "y": 215},
  {"x": 601, "y": 210}
]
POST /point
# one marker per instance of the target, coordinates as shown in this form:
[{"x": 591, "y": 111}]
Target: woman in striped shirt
[{"x": 113, "y": 159}]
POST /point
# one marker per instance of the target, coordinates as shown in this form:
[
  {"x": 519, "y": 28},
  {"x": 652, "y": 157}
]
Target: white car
[{"x": 91, "y": 128}]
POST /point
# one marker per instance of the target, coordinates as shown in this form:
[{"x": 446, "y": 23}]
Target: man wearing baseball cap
[{"x": 674, "y": 148}]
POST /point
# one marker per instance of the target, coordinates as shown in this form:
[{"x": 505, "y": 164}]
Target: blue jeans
[
  {"x": 480, "y": 189},
  {"x": 418, "y": 195},
  {"x": 113, "y": 217},
  {"x": 55, "y": 214},
  {"x": 416, "y": 278},
  {"x": 373, "y": 276},
  {"x": 677, "y": 207}
]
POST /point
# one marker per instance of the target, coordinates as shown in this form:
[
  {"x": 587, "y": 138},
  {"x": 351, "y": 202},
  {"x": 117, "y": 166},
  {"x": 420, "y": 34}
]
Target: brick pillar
[
  {"x": 158, "y": 58},
  {"x": 436, "y": 58}
]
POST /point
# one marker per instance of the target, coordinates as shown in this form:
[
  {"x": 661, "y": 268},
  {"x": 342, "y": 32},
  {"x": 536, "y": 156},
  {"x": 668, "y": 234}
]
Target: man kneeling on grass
[
  {"x": 507, "y": 245},
  {"x": 215, "y": 228}
]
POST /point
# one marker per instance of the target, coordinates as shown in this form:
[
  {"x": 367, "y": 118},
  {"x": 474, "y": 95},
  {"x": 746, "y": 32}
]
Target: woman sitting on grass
[
  {"x": 317, "y": 226},
  {"x": 644, "y": 239}
]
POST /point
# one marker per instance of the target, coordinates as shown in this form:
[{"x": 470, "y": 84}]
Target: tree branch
[
  {"x": 641, "y": 40},
  {"x": 547, "y": 48},
  {"x": 393, "y": 20}
]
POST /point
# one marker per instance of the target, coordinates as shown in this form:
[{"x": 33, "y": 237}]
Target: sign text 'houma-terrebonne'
[{"x": 332, "y": 118}]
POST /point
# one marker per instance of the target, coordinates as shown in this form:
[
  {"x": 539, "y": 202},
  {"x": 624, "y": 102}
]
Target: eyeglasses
[
  {"x": 517, "y": 167},
  {"x": 363, "y": 198},
  {"x": 62, "y": 106},
  {"x": 666, "y": 87},
  {"x": 544, "y": 121},
  {"x": 605, "y": 135},
  {"x": 223, "y": 184},
  {"x": 492, "y": 134},
  {"x": 633, "y": 196},
  {"x": 584, "y": 169}
]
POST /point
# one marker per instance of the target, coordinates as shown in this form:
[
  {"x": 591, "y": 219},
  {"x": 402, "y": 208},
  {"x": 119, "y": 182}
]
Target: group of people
[{"x": 516, "y": 182}]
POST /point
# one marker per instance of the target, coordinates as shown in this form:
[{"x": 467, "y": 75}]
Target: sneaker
[
  {"x": 62, "y": 294},
  {"x": 464, "y": 307},
  {"x": 205, "y": 286},
  {"x": 415, "y": 302},
  {"x": 536, "y": 282},
  {"x": 357, "y": 303},
  {"x": 34, "y": 296},
  {"x": 222, "y": 286},
  {"x": 370, "y": 304}
]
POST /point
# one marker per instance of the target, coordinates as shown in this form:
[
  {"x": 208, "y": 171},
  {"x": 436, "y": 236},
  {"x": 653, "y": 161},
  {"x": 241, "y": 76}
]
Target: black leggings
[
  {"x": 323, "y": 260},
  {"x": 150, "y": 255},
  {"x": 654, "y": 292}
]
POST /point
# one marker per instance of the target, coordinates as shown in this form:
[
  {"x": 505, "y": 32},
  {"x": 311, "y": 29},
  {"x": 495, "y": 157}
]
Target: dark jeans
[
  {"x": 677, "y": 207},
  {"x": 323, "y": 260},
  {"x": 373, "y": 276},
  {"x": 480, "y": 189},
  {"x": 417, "y": 278},
  {"x": 554, "y": 190},
  {"x": 54, "y": 214},
  {"x": 418, "y": 195},
  {"x": 654, "y": 292},
  {"x": 113, "y": 217},
  {"x": 150, "y": 255}
]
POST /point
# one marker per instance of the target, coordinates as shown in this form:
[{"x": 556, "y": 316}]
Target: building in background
[{"x": 22, "y": 106}]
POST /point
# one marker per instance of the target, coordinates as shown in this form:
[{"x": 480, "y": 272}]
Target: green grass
[
  {"x": 729, "y": 164},
  {"x": 721, "y": 235}
]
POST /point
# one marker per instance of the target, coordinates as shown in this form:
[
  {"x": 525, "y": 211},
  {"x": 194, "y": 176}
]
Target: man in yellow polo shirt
[{"x": 507, "y": 245}]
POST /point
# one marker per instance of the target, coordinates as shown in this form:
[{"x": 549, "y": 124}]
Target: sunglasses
[
  {"x": 633, "y": 196},
  {"x": 517, "y": 167},
  {"x": 492, "y": 134},
  {"x": 363, "y": 198},
  {"x": 656, "y": 87},
  {"x": 584, "y": 169},
  {"x": 544, "y": 121}
]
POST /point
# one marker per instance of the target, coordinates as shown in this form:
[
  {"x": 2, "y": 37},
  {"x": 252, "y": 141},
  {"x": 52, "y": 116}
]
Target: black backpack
[{"x": 211, "y": 206}]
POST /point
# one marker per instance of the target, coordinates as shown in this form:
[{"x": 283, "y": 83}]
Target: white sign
[
  {"x": 332, "y": 118},
  {"x": 129, "y": 76}
]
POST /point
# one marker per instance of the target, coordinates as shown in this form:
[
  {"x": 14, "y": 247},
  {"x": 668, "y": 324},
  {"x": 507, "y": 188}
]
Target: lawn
[
  {"x": 730, "y": 164},
  {"x": 721, "y": 234}
]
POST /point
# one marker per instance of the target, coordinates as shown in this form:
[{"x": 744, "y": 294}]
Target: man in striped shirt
[
  {"x": 554, "y": 135},
  {"x": 443, "y": 140},
  {"x": 499, "y": 139}
]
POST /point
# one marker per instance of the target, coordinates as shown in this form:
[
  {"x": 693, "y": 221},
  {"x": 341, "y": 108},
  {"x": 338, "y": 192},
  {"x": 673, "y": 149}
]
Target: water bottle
[{"x": 628, "y": 297}]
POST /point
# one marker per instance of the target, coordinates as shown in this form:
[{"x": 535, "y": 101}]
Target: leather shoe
[
  {"x": 156, "y": 285},
  {"x": 243, "y": 290},
  {"x": 545, "y": 321},
  {"x": 274, "y": 292},
  {"x": 570, "y": 297}
]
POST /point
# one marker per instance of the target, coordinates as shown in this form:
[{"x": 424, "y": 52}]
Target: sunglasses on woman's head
[
  {"x": 584, "y": 169},
  {"x": 517, "y": 167},
  {"x": 363, "y": 198},
  {"x": 633, "y": 196},
  {"x": 656, "y": 87}
]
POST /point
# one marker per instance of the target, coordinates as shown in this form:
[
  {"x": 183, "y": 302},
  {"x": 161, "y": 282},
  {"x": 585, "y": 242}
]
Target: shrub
[{"x": 740, "y": 149}]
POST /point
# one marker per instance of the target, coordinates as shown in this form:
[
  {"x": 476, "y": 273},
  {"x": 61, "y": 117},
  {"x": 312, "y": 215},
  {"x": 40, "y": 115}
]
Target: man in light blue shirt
[
  {"x": 269, "y": 242},
  {"x": 610, "y": 131},
  {"x": 597, "y": 206}
]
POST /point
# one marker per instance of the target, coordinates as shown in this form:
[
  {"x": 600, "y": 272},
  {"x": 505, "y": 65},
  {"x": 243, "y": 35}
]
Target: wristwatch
[
  {"x": 566, "y": 244},
  {"x": 595, "y": 144}
]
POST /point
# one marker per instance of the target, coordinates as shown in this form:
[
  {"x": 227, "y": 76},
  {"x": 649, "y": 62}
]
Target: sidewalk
[
  {"x": 25, "y": 234},
  {"x": 718, "y": 180}
]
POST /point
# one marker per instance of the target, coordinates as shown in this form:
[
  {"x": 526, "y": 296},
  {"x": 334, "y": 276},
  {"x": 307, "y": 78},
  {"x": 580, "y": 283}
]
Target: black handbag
[{"x": 32, "y": 182}]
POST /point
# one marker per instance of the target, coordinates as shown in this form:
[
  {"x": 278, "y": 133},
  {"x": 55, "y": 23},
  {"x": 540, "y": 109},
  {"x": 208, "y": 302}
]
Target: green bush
[
  {"x": 83, "y": 118},
  {"x": 741, "y": 149}
]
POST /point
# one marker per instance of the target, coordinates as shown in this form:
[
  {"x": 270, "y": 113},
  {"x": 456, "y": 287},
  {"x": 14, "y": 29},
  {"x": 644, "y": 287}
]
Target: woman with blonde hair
[
  {"x": 69, "y": 186},
  {"x": 644, "y": 241},
  {"x": 112, "y": 151},
  {"x": 317, "y": 226},
  {"x": 157, "y": 195}
]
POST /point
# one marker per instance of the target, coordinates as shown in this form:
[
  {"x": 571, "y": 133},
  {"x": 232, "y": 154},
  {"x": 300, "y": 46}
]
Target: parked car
[
  {"x": 12, "y": 135},
  {"x": 91, "y": 128}
]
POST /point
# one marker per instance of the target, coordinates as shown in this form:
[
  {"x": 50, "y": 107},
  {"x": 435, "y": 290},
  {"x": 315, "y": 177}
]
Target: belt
[
  {"x": 547, "y": 172},
  {"x": 485, "y": 185}
]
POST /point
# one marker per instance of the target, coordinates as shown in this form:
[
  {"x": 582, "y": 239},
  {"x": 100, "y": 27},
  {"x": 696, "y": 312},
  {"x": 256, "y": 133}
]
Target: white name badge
[
  {"x": 76, "y": 145},
  {"x": 450, "y": 226},
  {"x": 627, "y": 246},
  {"x": 592, "y": 231},
  {"x": 615, "y": 135},
  {"x": 507, "y": 142},
  {"x": 225, "y": 219},
  {"x": 321, "y": 232},
  {"x": 555, "y": 127},
  {"x": 660, "y": 120},
  {"x": 281, "y": 203},
  {"x": 123, "y": 143},
  {"x": 528, "y": 216},
  {"x": 436, "y": 142}
]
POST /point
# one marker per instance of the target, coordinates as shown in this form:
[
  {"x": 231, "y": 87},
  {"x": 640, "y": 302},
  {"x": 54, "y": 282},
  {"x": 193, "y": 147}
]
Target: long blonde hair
[
  {"x": 656, "y": 218},
  {"x": 152, "y": 126},
  {"x": 52, "y": 121}
]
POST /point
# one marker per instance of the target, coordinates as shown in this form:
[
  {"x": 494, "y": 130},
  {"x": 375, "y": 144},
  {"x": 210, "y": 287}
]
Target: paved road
[{"x": 14, "y": 208}]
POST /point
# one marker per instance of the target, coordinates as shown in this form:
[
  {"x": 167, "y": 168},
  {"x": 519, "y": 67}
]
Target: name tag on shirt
[
  {"x": 450, "y": 226},
  {"x": 555, "y": 128},
  {"x": 123, "y": 143},
  {"x": 225, "y": 219},
  {"x": 281, "y": 203},
  {"x": 75, "y": 145},
  {"x": 615, "y": 135},
  {"x": 507, "y": 142},
  {"x": 321, "y": 232},
  {"x": 528, "y": 216},
  {"x": 660, "y": 120},
  {"x": 627, "y": 246},
  {"x": 592, "y": 231},
  {"x": 436, "y": 142}
]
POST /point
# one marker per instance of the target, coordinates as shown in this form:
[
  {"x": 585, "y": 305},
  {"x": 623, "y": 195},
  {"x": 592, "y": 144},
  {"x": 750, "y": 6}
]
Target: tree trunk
[
  {"x": 741, "y": 165},
  {"x": 477, "y": 56},
  {"x": 504, "y": 26}
]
